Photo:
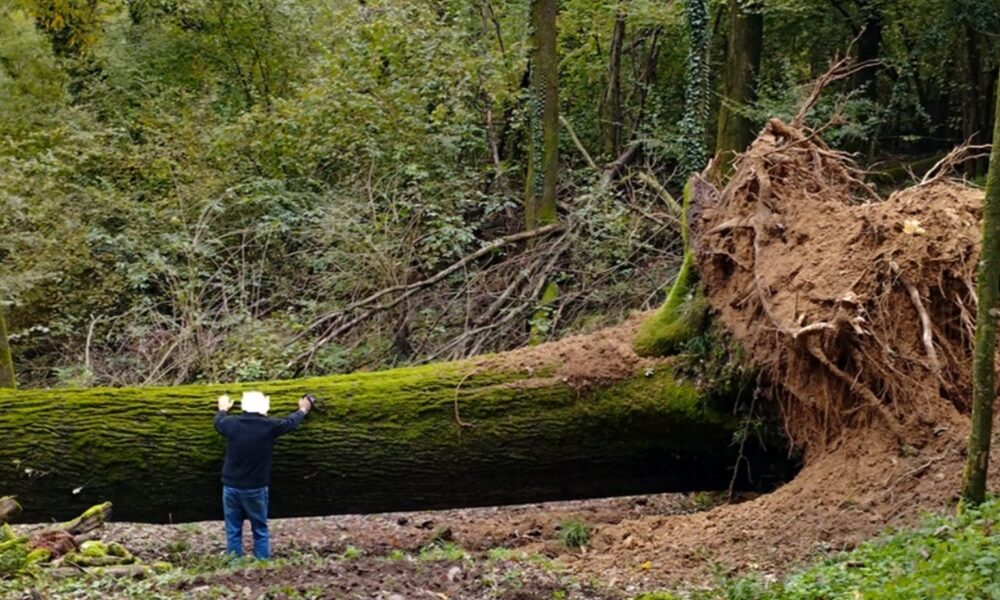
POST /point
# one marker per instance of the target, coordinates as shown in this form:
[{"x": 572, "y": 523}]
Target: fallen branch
[
  {"x": 957, "y": 156},
  {"x": 122, "y": 571},
  {"x": 578, "y": 143},
  {"x": 407, "y": 290},
  {"x": 93, "y": 518},
  {"x": 615, "y": 167},
  {"x": 675, "y": 208}
]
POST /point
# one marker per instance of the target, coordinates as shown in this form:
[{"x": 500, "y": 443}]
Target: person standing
[{"x": 246, "y": 471}]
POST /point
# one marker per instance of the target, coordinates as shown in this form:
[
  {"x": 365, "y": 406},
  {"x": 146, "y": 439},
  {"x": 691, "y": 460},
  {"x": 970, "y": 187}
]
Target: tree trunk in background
[
  {"x": 468, "y": 433},
  {"x": 543, "y": 117},
  {"x": 739, "y": 83},
  {"x": 7, "y": 379},
  {"x": 987, "y": 280},
  {"x": 646, "y": 79},
  {"x": 975, "y": 109},
  {"x": 693, "y": 123},
  {"x": 869, "y": 44},
  {"x": 611, "y": 105}
]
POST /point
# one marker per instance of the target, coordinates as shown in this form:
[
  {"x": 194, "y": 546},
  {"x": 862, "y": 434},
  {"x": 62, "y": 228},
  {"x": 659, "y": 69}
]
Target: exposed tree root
[{"x": 795, "y": 240}]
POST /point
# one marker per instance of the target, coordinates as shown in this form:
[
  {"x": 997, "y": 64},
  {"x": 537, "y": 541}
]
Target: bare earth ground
[
  {"x": 531, "y": 531},
  {"x": 496, "y": 552}
]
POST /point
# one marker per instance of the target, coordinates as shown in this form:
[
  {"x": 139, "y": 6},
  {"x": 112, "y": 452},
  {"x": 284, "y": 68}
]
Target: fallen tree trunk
[{"x": 577, "y": 418}]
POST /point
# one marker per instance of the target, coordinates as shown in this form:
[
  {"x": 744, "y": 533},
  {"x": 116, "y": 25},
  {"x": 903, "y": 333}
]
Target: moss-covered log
[{"x": 384, "y": 441}]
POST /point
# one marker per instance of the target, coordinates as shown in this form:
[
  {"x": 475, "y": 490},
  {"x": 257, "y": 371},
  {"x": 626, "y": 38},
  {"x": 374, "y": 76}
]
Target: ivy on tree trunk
[
  {"x": 696, "y": 94},
  {"x": 542, "y": 117},
  {"x": 681, "y": 316}
]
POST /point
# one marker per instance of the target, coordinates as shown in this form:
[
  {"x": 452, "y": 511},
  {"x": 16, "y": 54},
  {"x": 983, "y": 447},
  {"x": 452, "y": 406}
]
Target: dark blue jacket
[{"x": 249, "y": 442}]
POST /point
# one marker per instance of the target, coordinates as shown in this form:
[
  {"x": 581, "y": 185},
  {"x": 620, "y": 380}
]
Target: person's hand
[
  {"x": 225, "y": 403},
  {"x": 305, "y": 405}
]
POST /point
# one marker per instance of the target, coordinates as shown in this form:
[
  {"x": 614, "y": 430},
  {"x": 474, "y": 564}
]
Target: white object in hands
[
  {"x": 255, "y": 402},
  {"x": 225, "y": 402}
]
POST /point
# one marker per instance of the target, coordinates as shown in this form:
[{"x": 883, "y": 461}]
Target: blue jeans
[{"x": 240, "y": 505}]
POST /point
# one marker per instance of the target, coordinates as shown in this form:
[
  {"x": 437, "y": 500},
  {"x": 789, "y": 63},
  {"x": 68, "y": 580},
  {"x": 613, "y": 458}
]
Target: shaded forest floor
[{"x": 634, "y": 544}]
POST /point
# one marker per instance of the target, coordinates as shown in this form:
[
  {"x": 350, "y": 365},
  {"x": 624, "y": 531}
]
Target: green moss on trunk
[
  {"x": 684, "y": 314},
  {"x": 7, "y": 379},
  {"x": 385, "y": 441}
]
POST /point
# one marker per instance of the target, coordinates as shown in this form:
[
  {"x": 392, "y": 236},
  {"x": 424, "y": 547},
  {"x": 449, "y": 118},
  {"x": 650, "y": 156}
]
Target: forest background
[{"x": 213, "y": 190}]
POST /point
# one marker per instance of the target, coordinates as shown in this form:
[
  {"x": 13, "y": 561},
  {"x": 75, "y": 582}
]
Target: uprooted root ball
[{"x": 861, "y": 310}]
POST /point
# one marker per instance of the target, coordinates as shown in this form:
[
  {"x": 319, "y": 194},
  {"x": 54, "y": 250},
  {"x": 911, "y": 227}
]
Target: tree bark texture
[
  {"x": 739, "y": 83},
  {"x": 987, "y": 280}
]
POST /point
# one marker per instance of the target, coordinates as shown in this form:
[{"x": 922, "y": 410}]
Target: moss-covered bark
[
  {"x": 7, "y": 379},
  {"x": 684, "y": 313},
  {"x": 386, "y": 441}
]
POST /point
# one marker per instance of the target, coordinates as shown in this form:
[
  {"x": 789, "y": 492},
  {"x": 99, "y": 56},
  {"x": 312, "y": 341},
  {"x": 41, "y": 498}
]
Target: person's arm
[
  {"x": 225, "y": 403},
  {"x": 293, "y": 420}
]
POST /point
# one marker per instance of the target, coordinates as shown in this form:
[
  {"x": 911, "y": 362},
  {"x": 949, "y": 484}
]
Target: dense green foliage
[{"x": 193, "y": 190}]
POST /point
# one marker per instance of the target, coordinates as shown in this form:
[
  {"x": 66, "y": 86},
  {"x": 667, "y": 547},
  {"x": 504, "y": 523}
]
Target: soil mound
[{"x": 580, "y": 361}]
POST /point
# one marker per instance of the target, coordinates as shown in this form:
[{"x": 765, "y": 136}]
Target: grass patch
[
  {"x": 574, "y": 533},
  {"x": 443, "y": 551}
]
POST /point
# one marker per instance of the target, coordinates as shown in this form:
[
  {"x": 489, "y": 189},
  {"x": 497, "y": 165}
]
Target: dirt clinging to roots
[{"x": 860, "y": 311}]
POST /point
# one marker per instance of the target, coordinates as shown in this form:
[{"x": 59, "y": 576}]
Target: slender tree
[
  {"x": 6, "y": 363},
  {"x": 739, "y": 81},
  {"x": 542, "y": 117},
  {"x": 987, "y": 281},
  {"x": 611, "y": 106}
]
